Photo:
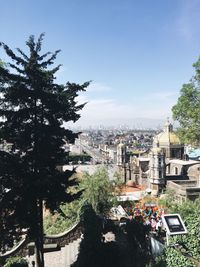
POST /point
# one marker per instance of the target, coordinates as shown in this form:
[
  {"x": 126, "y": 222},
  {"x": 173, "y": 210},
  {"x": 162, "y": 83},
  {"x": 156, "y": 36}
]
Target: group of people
[{"x": 148, "y": 215}]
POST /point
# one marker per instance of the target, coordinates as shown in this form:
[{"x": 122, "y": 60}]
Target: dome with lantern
[
  {"x": 169, "y": 142},
  {"x": 167, "y": 137}
]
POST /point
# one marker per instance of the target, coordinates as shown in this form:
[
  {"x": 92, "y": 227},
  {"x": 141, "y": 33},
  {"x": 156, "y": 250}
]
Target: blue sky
[{"x": 137, "y": 53}]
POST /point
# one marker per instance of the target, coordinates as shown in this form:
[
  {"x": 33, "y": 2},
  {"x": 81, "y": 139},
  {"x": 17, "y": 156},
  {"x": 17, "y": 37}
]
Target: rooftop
[{"x": 183, "y": 162}]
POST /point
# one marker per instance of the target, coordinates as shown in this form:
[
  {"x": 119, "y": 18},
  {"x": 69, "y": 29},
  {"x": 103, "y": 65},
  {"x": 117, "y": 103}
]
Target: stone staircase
[
  {"x": 63, "y": 257},
  {"x": 69, "y": 253},
  {"x": 60, "y": 250}
]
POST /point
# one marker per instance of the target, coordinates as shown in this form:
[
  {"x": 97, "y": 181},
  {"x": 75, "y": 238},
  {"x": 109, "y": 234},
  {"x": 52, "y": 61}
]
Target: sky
[{"x": 137, "y": 54}]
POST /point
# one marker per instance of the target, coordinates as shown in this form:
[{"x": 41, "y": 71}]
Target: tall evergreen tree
[
  {"x": 2, "y": 66},
  {"x": 33, "y": 107}
]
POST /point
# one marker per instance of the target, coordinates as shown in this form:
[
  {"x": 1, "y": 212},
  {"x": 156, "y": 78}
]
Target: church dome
[{"x": 167, "y": 137}]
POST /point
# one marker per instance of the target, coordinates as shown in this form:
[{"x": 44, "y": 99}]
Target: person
[
  {"x": 147, "y": 222},
  {"x": 159, "y": 225},
  {"x": 153, "y": 223}
]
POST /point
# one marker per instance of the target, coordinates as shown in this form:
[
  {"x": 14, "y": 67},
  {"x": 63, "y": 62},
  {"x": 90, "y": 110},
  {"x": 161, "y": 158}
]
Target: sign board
[{"x": 174, "y": 224}]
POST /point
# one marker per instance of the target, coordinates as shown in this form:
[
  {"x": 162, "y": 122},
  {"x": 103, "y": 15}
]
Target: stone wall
[{"x": 26, "y": 247}]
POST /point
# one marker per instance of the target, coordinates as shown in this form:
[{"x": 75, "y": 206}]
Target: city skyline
[{"x": 137, "y": 54}]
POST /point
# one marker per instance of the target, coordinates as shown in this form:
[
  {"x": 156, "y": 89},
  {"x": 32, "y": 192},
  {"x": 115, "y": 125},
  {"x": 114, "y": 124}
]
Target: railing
[
  {"x": 66, "y": 237},
  {"x": 20, "y": 250},
  {"x": 62, "y": 239}
]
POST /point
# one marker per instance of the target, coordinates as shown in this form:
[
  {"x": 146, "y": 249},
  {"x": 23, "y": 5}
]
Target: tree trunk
[{"x": 39, "y": 241}]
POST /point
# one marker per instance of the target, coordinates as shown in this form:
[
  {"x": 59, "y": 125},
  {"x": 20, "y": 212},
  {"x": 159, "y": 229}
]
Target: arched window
[{"x": 176, "y": 171}]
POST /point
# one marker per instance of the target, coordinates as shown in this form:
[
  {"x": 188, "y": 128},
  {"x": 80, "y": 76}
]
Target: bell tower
[
  {"x": 121, "y": 154},
  {"x": 157, "y": 168}
]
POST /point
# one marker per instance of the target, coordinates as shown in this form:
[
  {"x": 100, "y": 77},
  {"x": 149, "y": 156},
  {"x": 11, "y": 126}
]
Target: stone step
[
  {"x": 69, "y": 253},
  {"x": 59, "y": 258}
]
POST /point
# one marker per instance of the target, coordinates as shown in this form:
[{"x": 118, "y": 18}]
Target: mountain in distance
[{"x": 135, "y": 123}]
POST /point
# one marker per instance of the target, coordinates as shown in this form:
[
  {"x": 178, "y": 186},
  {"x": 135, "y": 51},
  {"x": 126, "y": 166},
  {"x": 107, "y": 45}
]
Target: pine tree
[{"x": 33, "y": 108}]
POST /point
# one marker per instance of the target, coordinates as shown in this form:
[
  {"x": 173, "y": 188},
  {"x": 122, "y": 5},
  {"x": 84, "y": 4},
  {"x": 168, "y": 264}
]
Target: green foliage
[
  {"x": 16, "y": 262},
  {"x": 189, "y": 244},
  {"x": 2, "y": 65},
  {"x": 56, "y": 224},
  {"x": 190, "y": 213},
  {"x": 67, "y": 216},
  {"x": 34, "y": 108},
  {"x": 168, "y": 199},
  {"x": 160, "y": 261},
  {"x": 98, "y": 190},
  {"x": 172, "y": 257},
  {"x": 187, "y": 109},
  {"x": 75, "y": 158}
]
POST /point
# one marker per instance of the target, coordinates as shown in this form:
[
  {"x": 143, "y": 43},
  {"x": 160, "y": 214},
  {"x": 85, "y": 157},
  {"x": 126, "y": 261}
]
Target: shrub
[{"x": 16, "y": 262}]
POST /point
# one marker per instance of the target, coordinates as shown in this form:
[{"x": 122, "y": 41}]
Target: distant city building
[{"x": 149, "y": 163}]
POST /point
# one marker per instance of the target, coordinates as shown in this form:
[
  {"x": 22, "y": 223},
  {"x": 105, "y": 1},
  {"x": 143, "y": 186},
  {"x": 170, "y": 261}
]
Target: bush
[
  {"x": 189, "y": 243},
  {"x": 16, "y": 262},
  {"x": 173, "y": 258},
  {"x": 190, "y": 213}
]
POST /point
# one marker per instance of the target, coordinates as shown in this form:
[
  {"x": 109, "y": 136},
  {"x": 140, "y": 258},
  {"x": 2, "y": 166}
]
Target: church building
[{"x": 165, "y": 163}]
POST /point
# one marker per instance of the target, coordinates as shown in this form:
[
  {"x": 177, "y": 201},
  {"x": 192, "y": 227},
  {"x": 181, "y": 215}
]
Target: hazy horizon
[{"x": 138, "y": 54}]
